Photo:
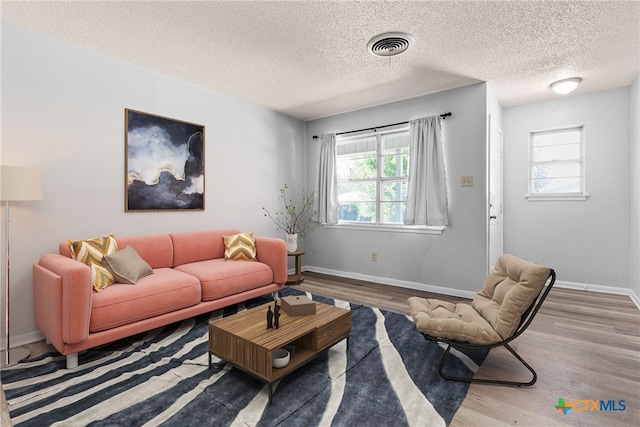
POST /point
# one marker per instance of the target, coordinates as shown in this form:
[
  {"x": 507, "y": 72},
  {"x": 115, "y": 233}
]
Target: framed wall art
[{"x": 164, "y": 163}]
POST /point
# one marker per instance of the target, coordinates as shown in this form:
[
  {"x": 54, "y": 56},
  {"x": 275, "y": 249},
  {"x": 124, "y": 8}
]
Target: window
[
  {"x": 372, "y": 174},
  {"x": 556, "y": 164}
]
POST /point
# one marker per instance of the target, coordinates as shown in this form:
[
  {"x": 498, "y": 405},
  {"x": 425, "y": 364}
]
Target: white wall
[
  {"x": 457, "y": 258},
  {"x": 588, "y": 241},
  {"x": 635, "y": 185},
  {"x": 63, "y": 112}
]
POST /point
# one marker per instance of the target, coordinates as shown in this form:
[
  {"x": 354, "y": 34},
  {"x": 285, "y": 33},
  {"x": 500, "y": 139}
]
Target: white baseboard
[
  {"x": 35, "y": 336},
  {"x": 600, "y": 288},
  {"x": 468, "y": 294},
  {"x": 394, "y": 282},
  {"x": 22, "y": 339}
]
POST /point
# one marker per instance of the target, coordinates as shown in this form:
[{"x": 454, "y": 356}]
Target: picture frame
[{"x": 164, "y": 163}]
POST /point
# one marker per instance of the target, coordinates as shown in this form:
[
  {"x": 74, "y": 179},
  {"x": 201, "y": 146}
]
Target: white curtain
[
  {"x": 427, "y": 191},
  {"x": 327, "y": 200}
]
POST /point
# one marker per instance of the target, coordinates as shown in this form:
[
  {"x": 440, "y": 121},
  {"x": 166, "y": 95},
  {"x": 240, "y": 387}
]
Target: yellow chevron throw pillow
[
  {"x": 240, "y": 246},
  {"x": 91, "y": 252}
]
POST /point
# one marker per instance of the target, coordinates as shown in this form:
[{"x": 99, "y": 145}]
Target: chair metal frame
[{"x": 525, "y": 321}]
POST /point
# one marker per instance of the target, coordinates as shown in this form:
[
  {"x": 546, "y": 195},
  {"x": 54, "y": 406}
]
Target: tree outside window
[{"x": 372, "y": 177}]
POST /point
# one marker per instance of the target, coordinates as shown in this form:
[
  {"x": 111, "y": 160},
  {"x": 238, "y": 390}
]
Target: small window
[
  {"x": 556, "y": 164},
  {"x": 372, "y": 178}
]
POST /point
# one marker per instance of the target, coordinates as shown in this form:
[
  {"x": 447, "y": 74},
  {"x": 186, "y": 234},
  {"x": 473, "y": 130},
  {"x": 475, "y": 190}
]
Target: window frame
[
  {"x": 579, "y": 195},
  {"x": 377, "y": 225}
]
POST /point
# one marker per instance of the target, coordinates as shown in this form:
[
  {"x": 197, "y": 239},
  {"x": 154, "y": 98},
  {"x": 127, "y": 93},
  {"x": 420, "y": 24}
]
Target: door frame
[{"x": 495, "y": 172}]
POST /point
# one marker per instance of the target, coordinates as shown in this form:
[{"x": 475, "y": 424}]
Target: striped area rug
[{"x": 387, "y": 376}]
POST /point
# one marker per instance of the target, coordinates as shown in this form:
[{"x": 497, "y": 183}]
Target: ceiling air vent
[{"x": 390, "y": 44}]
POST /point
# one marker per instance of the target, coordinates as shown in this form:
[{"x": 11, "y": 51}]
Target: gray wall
[
  {"x": 457, "y": 258},
  {"x": 592, "y": 243},
  {"x": 63, "y": 112},
  {"x": 635, "y": 185},
  {"x": 587, "y": 242}
]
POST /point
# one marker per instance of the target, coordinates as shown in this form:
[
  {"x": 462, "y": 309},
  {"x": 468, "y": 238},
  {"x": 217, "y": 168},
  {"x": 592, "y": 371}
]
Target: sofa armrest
[
  {"x": 273, "y": 252},
  {"x": 62, "y": 298}
]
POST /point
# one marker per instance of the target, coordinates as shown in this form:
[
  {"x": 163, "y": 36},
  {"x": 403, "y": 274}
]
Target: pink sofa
[{"x": 190, "y": 277}]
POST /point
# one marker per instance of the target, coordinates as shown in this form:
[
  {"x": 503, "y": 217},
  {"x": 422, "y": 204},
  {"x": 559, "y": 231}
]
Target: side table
[{"x": 296, "y": 279}]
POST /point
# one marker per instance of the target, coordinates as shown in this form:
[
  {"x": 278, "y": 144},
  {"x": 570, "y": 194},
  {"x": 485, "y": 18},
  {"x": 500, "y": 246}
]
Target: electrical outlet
[
  {"x": 374, "y": 256},
  {"x": 466, "y": 181}
]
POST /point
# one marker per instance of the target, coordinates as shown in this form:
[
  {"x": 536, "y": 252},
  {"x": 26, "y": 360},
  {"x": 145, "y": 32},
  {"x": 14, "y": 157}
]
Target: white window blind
[{"x": 556, "y": 164}]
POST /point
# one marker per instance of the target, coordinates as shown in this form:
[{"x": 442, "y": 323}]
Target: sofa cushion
[
  {"x": 197, "y": 246},
  {"x": 221, "y": 278},
  {"x": 164, "y": 291},
  {"x": 240, "y": 247},
  {"x": 126, "y": 265},
  {"x": 155, "y": 249},
  {"x": 91, "y": 252}
]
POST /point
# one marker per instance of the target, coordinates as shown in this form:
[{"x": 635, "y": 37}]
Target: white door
[{"x": 495, "y": 193}]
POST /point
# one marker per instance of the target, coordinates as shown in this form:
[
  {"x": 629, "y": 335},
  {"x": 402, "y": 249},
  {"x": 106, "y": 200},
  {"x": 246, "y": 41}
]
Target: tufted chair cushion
[
  {"x": 458, "y": 322},
  {"x": 495, "y": 312},
  {"x": 512, "y": 286}
]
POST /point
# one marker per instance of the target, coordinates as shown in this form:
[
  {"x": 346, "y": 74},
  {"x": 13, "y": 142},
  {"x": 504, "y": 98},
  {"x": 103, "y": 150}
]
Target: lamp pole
[
  {"x": 16, "y": 184},
  {"x": 12, "y": 355}
]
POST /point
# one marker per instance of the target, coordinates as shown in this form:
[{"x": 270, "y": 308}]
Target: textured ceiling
[{"x": 309, "y": 59}]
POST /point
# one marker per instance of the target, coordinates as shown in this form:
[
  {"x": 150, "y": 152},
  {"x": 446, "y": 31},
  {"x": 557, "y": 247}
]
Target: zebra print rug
[{"x": 387, "y": 376}]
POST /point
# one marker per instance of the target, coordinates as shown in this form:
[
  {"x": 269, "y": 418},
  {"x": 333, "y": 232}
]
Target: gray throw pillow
[{"x": 126, "y": 265}]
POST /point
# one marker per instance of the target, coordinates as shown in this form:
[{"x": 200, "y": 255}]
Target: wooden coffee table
[{"x": 244, "y": 340}]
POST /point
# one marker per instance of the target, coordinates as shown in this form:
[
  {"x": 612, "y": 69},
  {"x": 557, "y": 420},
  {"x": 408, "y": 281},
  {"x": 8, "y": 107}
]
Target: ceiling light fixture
[
  {"x": 390, "y": 44},
  {"x": 566, "y": 86}
]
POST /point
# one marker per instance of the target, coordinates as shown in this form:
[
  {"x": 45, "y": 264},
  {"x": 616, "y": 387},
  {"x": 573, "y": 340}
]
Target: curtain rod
[{"x": 443, "y": 116}]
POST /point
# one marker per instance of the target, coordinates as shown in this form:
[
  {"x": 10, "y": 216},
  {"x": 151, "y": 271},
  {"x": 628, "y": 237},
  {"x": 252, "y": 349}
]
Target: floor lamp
[{"x": 17, "y": 184}]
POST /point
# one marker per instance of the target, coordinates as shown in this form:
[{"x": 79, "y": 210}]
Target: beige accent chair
[{"x": 502, "y": 310}]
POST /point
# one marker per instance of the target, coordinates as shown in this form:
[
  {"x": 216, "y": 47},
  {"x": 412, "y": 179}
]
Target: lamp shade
[{"x": 18, "y": 183}]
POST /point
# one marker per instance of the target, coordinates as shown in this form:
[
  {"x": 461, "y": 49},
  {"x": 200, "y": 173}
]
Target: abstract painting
[{"x": 164, "y": 163}]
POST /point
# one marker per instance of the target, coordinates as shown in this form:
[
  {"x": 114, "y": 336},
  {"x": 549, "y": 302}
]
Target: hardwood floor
[{"x": 583, "y": 345}]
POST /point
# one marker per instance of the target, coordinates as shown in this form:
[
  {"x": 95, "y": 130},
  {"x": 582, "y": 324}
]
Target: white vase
[{"x": 292, "y": 242}]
